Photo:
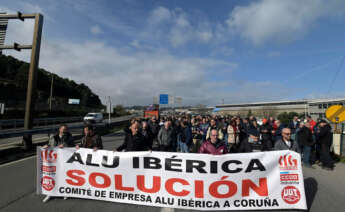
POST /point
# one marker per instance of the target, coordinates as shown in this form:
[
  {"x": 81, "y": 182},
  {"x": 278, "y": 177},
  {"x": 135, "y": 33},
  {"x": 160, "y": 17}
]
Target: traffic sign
[
  {"x": 163, "y": 99},
  {"x": 74, "y": 101},
  {"x": 336, "y": 114}
]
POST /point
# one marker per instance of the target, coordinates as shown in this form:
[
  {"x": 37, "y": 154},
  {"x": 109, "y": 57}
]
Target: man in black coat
[
  {"x": 294, "y": 124},
  {"x": 325, "y": 140},
  {"x": 146, "y": 132},
  {"x": 266, "y": 133},
  {"x": 306, "y": 142},
  {"x": 134, "y": 141},
  {"x": 244, "y": 145},
  {"x": 154, "y": 128},
  {"x": 62, "y": 139}
]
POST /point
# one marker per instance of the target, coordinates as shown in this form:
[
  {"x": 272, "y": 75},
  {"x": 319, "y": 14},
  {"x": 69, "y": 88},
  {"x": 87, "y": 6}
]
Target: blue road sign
[{"x": 163, "y": 99}]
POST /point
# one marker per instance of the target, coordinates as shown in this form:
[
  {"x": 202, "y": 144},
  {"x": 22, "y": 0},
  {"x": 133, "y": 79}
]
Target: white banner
[{"x": 248, "y": 181}]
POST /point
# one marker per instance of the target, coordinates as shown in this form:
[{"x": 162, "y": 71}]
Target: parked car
[{"x": 93, "y": 117}]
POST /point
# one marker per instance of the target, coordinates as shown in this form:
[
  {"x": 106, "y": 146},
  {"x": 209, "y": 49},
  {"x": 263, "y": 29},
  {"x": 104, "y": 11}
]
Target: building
[{"x": 315, "y": 108}]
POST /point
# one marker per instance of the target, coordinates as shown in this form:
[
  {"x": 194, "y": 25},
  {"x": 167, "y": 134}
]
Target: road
[{"x": 324, "y": 189}]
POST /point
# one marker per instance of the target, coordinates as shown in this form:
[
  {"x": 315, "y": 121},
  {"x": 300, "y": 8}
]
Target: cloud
[
  {"x": 20, "y": 32},
  {"x": 133, "y": 76},
  {"x": 159, "y": 15},
  {"x": 136, "y": 76},
  {"x": 280, "y": 21},
  {"x": 96, "y": 30},
  {"x": 135, "y": 43},
  {"x": 179, "y": 27}
]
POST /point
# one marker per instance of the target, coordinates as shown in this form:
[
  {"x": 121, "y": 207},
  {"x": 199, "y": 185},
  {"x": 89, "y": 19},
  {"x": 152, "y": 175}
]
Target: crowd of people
[
  {"x": 222, "y": 135},
  {"x": 215, "y": 135}
]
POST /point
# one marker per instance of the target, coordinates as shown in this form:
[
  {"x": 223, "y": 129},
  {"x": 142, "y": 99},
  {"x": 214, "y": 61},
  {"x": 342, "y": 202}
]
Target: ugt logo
[
  {"x": 291, "y": 195},
  {"x": 48, "y": 156},
  {"x": 48, "y": 183},
  {"x": 287, "y": 163}
]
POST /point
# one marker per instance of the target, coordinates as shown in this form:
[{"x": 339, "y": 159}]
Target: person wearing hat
[{"x": 325, "y": 140}]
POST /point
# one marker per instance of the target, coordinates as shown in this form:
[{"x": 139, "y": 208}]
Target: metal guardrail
[
  {"x": 55, "y": 128},
  {"x": 15, "y": 123}
]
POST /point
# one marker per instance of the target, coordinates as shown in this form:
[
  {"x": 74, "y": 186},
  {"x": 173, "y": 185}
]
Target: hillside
[{"x": 13, "y": 86}]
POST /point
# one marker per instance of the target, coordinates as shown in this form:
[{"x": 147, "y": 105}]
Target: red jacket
[{"x": 218, "y": 148}]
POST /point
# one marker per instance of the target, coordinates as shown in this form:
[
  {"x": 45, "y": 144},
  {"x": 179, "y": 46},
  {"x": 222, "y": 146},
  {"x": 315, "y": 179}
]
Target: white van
[{"x": 94, "y": 117}]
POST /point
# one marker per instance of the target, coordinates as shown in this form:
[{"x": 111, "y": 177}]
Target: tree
[
  {"x": 119, "y": 110},
  {"x": 14, "y": 80},
  {"x": 249, "y": 113},
  {"x": 285, "y": 117},
  {"x": 269, "y": 111}
]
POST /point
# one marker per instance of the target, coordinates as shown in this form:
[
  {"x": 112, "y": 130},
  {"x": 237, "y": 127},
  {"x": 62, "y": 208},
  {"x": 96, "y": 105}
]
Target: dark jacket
[
  {"x": 148, "y": 137},
  {"x": 325, "y": 135},
  {"x": 218, "y": 148},
  {"x": 185, "y": 135},
  {"x": 305, "y": 137},
  {"x": 255, "y": 131},
  {"x": 154, "y": 127},
  {"x": 281, "y": 145},
  {"x": 133, "y": 143},
  {"x": 278, "y": 133},
  {"x": 66, "y": 139},
  {"x": 244, "y": 131},
  {"x": 266, "y": 136},
  {"x": 92, "y": 141},
  {"x": 166, "y": 137},
  {"x": 293, "y": 127}
]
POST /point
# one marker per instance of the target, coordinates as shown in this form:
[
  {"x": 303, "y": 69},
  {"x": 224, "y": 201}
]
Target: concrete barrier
[{"x": 337, "y": 143}]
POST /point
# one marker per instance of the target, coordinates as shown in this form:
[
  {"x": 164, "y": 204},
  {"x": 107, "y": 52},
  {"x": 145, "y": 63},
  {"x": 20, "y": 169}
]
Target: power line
[{"x": 336, "y": 74}]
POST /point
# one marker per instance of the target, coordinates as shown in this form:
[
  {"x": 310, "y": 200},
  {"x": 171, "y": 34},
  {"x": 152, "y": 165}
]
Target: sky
[{"x": 207, "y": 52}]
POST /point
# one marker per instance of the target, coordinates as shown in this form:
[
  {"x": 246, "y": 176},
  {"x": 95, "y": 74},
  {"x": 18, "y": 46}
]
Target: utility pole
[
  {"x": 109, "y": 106},
  {"x": 35, "y": 53},
  {"x": 51, "y": 93}
]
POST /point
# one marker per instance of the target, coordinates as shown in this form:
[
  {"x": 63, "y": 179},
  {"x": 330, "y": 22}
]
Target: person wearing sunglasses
[{"x": 285, "y": 142}]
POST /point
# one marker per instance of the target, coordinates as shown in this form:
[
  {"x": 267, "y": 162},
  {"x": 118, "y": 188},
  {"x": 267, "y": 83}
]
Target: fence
[
  {"x": 54, "y": 129},
  {"x": 17, "y": 123}
]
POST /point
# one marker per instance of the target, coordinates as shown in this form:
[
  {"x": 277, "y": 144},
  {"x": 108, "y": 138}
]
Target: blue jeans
[
  {"x": 306, "y": 155},
  {"x": 183, "y": 147}
]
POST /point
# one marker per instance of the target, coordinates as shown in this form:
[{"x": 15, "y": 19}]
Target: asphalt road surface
[{"x": 325, "y": 190}]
